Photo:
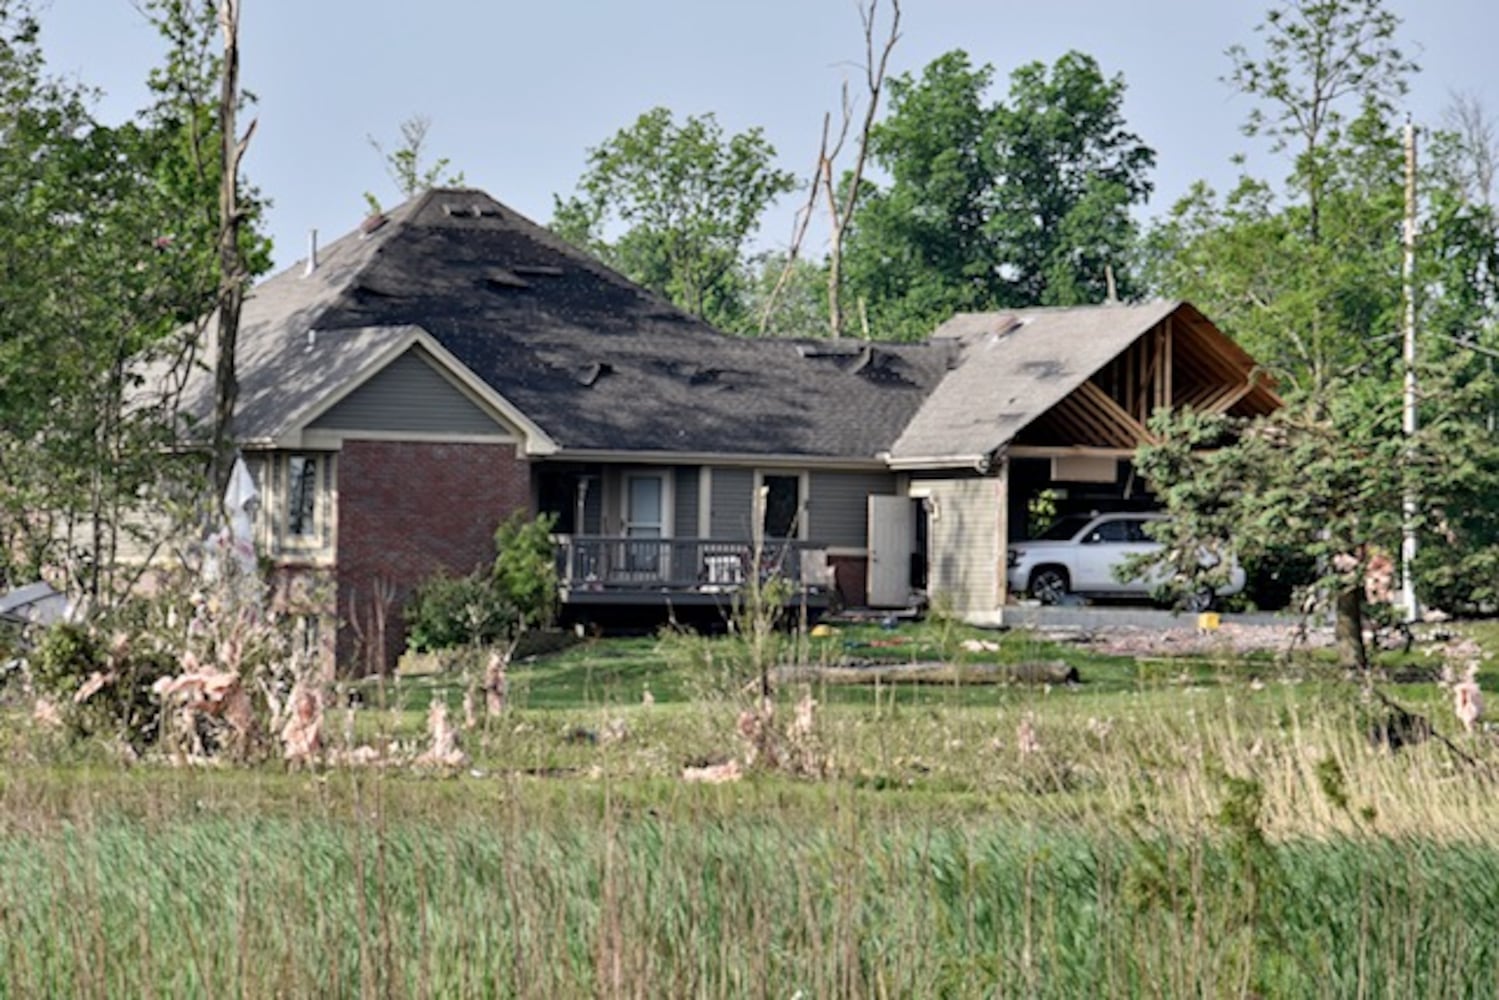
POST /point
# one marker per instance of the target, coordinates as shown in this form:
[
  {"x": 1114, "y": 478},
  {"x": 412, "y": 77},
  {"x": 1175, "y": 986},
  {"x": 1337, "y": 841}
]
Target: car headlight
[{"x": 1012, "y": 559}]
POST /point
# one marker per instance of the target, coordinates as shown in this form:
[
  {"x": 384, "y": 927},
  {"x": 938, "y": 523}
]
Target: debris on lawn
[
  {"x": 1026, "y": 739},
  {"x": 713, "y": 774},
  {"x": 444, "y": 751},
  {"x": 302, "y": 734}
]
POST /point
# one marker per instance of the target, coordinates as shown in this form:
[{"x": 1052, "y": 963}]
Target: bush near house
[{"x": 518, "y": 592}]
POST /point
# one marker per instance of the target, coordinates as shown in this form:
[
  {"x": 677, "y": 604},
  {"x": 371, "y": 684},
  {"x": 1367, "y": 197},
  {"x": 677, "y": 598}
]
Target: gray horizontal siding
[
  {"x": 838, "y": 511},
  {"x": 732, "y": 508},
  {"x": 684, "y": 519},
  {"x": 409, "y": 395}
]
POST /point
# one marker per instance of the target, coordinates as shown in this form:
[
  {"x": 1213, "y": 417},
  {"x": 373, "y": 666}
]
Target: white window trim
[{"x": 323, "y": 505}]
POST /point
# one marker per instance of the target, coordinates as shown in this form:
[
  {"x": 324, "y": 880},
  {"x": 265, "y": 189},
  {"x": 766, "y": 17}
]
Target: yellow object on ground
[
  {"x": 1207, "y": 621},
  {"x": 823, "y": 631}
]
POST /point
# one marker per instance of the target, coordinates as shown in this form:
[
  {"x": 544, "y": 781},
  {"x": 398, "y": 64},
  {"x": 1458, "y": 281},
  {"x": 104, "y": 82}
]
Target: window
[
  {"x": 1108, "y": 531},
  {"x": 301, "y": 497},
  {"x": 783, "y": 504}
]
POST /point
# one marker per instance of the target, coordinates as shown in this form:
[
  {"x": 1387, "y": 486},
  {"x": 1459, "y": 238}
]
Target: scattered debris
[
  {"x": 1025, "y": 736},
  {"x": 444, "y": 751},
  {"x": 46, "y": 714},
  {"x": 1467, "y": 702},
  {"x": 713, "y": 774},
  {"x": 302, "y": 734}
]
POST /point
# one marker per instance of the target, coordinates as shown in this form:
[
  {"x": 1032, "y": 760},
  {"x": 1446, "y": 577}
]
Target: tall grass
[
  {"x": 590, "y": 898},
  {"x": 1166, "y": 832}
]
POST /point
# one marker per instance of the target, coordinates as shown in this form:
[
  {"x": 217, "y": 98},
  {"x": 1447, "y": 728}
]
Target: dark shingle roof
[{"x": 594, "y": 360}]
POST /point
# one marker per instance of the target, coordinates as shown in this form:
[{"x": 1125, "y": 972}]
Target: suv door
[{"x": 1105, "y": 546}]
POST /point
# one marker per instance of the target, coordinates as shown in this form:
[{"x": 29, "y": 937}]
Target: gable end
[{"x": 411, "y": 396}]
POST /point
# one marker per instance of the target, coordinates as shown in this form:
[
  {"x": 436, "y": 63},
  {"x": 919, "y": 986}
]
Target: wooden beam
[
  {"x": 1225, "y": 400},
  {"x": 1068, "y": 451},
  {"x": 1113, "y": 412}
]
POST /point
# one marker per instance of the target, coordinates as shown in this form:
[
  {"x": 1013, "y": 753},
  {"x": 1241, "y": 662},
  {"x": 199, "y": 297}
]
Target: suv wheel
[{"x": 1049, "y": 585}]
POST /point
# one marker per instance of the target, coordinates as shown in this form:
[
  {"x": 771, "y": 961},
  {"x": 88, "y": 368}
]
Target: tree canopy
[
  {"x": 672, "y": 206},
  {"x": 108, "y": 242},
  {"x": 1019, "y": 202}
]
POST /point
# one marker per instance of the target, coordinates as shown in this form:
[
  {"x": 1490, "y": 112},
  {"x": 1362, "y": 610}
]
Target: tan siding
[
  {"x": 838, "y": 511},
  {"x": 965, "y": 541},
  {"x": 409, "y": 395}
]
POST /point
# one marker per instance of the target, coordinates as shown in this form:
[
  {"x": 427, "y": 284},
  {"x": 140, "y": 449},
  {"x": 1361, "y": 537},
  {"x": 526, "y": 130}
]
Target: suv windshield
[{"x": 1064, "y": 528}]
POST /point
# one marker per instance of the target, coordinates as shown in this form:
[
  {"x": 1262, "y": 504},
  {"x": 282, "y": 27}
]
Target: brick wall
[{"x": 405, "y": 510}]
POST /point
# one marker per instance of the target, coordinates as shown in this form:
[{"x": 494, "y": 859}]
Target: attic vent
[
  {"x": 500, "y": 278},
  {"x": 372, "y": 223},
  {"x": 453, "y": 210},
  {"x": 589, "y": 374},
  {"x": 538, "y": 269}
]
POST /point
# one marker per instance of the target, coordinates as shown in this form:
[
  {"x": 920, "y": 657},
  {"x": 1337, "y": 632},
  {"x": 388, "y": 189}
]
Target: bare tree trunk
[
  {"x": 232, "y": 276},
  {"x": 1348, "y": 629},
  {"x": 839, "y": 215}
]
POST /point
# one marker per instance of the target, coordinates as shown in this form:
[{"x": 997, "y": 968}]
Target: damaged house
[{"x": 412, "y": 384}]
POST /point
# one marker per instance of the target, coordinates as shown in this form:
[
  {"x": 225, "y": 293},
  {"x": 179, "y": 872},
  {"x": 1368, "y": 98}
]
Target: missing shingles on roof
[
  {"x": 454, "y": 210},
  {"x": 880, "y": 367},
  {"x": 500, "y": 278},
  {"x": 373, "y": 223},
  {"x": 840, "y": 351},
  {"x": 589, "y": 374},
  {"x": 705, "y": 376},
  {"x": 533, "y": 270},
  {"x": 370, "y": 288}
]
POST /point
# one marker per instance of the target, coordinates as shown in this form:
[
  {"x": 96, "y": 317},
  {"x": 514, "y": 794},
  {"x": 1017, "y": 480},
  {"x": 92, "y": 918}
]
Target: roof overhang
[{"x": 740, "y": 459}]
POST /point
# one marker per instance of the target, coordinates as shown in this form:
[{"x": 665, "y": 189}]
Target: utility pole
[{"x": 1408, "y": 600}]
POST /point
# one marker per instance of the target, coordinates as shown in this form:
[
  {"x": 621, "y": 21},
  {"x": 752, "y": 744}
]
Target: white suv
[{"x": 1078, "y": 553}]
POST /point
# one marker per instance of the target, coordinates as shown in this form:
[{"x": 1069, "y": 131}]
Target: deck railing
[{"x": 703, "y": 565}]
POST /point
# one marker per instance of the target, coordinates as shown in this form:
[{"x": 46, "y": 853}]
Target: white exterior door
[{"x": 892, "y": 539}]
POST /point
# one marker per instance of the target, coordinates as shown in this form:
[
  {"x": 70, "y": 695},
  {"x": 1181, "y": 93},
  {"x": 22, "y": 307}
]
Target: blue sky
[{"x": 517, "y": 92}]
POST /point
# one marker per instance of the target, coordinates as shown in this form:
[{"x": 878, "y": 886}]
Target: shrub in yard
[
  {"x": 101, "y": 687},
  {"x": 518, "y": 592},
  {"x": 448, "y": 611}
]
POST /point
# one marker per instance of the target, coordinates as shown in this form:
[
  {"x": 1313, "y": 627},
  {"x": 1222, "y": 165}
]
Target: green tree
[
  {"x": 1069, "y": 173},
  {"x": 1307, "y": 275},
  {"x": 687, "y": 200},
  {"x": 109, "y": 242},
  {"x": 920, "y": 248},
  {"x": 1016, "y": 203}
]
